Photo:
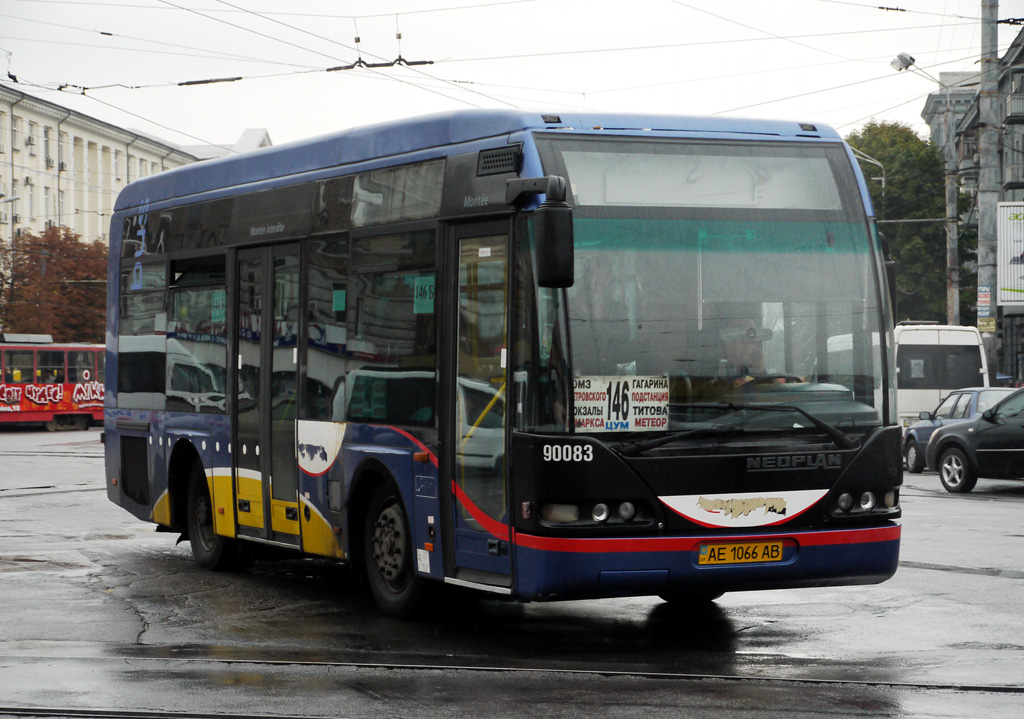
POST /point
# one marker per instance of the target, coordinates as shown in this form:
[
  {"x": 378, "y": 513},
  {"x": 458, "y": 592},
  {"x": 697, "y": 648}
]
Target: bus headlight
[
  {"x": 600, "y": 513},
  {"x": 627, "y": 510},
  {"x": 845, "y": 502},
  {"x": 868, "y": 501},
  {"x": 560, "y": 513}
]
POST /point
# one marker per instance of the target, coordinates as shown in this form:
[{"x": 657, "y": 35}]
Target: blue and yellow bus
[{"x": 543, "y": 356}]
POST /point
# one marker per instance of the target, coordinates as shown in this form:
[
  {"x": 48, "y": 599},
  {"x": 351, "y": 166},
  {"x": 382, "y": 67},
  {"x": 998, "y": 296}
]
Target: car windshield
[{"x": 989, "y": 398}]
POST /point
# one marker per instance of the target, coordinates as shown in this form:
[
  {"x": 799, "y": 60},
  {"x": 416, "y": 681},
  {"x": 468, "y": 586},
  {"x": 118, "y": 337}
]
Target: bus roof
[{"x": 399, "y": 137}]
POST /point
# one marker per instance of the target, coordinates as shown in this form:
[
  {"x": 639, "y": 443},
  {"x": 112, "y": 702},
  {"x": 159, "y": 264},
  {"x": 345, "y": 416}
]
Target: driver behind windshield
[
  {"x": 730, "y": 351},
  {"x": 743, "y": 352}
]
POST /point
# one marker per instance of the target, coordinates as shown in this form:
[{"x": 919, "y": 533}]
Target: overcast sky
[{"x": 826, "y": 61}]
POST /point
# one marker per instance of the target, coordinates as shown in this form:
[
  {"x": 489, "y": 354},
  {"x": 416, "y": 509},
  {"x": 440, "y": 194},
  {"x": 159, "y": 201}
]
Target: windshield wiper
[
  {"x": 632, "y": 450},
  {"x": 833, "y": 432}
]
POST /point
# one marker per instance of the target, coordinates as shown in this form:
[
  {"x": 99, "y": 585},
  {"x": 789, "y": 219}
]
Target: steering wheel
[{"x": 776, "y": 379}]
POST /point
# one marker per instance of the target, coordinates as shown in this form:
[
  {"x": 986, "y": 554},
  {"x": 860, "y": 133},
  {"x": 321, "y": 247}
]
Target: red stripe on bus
[
  {"x": 668, "y": 544},
  {"x": 433, "y": 457},
  {"x": 493, "y": 526},
  {"x": 689, "y": 544}
]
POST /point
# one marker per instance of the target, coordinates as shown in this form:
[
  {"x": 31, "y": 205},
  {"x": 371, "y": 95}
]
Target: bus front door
[
  {"x": 266, "y": 392},
  {"x": 480, "y": 497}
]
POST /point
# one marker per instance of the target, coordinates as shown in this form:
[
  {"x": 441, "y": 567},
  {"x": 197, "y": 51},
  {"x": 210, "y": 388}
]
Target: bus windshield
[{"x": 714, "y": 274}]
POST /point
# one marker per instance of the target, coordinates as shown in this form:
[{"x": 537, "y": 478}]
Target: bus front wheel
[
  {"x": 210, "y": 550},
  {"x": 388, "y": 555}
]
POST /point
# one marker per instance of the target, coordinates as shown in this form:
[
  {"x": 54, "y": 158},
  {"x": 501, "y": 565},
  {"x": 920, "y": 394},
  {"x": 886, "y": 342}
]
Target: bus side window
[
  {"x": 327, "y": 336},
  {"x": 391, "y": 317}
]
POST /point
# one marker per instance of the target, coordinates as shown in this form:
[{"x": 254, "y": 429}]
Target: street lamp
[{"x": 903, "y": 61}]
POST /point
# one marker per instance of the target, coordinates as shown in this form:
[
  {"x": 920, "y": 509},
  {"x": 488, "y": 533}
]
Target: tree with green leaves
[
  {"x": 54, "y": 284},
  {"x": 914, "y": 190}
]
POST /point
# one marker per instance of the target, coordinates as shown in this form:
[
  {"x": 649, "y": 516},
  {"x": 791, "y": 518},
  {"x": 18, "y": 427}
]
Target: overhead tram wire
[
  {"x": 728, "y": 76},
  {"x": 301, "y": 47},
  {"x": 209, "y": 52},
  {"x": 399, "y": 60},
  {"x": 93, "y": 98},
  {"x": 319, "y": 37},
  {"x": 676, "y": 45},
  {"x": 757, "y": 29},
  {"x": 805, "y": 94},
  {"x": 876, "y": 6},
  {"x": 134, "y": 6},
  {"x": 172, "y": 6}
]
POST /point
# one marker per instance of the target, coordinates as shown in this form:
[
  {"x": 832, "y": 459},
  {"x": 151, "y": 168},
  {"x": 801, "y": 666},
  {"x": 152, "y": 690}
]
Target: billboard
[{"x": 1010, "y": 268}]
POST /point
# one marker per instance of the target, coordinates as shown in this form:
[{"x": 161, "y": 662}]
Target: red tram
[{"x": 58, "y": 384}]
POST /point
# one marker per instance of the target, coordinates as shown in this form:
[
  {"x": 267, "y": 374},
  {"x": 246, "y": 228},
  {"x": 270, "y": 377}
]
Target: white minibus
[{"x": 931, "y": 361}]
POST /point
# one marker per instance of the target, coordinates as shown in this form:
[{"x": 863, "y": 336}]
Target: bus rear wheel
[
  {"x": 210, "y": 550},
  {"x": 388, "y": 555}
]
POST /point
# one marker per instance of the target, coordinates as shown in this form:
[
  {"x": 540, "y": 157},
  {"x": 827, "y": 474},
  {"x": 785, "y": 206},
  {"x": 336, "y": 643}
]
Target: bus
[
  {"x": 542, "y": 356},
  {"x": 932, "y": 360},
  {"x": 60, "y": 385}
]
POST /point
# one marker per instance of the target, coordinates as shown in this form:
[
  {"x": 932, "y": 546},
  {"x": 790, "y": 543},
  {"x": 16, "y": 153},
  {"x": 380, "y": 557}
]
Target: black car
[
  {"x": 990, "y": 445},
  {"x": 959, "y": 406}
]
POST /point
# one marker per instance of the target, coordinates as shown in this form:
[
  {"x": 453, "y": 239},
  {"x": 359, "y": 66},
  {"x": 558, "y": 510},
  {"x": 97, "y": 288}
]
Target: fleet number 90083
[{"x": 568, "y": 453}]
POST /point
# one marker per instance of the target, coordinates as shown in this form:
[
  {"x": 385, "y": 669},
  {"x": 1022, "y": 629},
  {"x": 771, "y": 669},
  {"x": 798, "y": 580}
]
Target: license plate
[{"x": 740, "y": 553}]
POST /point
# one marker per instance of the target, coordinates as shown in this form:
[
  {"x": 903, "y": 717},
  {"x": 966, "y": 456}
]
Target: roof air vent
[{"x": 498, "y": 161}]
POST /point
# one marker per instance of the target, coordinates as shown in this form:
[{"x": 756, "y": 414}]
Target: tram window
[
  {"x": 50, "y": 369},
  {"x": 81, "y": 366},
  {"x": 18, "y": 366}
]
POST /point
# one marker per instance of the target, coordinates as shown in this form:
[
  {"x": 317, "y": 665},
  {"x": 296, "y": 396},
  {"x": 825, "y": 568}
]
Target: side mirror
[
  {"x": 989, "y": 415},
  {"x": 925, "y": 415},
  {"x": 552, "y": 228}
]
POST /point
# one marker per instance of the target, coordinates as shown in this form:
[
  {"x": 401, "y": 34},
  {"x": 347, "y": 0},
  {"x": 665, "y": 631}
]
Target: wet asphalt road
[{"x": 99, "y": 612}]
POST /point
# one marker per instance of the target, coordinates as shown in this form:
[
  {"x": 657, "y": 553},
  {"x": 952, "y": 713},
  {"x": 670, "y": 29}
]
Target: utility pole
[
  {"x": 903, "y": 61},
  {"x": 952, "y": 218},
  {"x": 988, "y": 180}
]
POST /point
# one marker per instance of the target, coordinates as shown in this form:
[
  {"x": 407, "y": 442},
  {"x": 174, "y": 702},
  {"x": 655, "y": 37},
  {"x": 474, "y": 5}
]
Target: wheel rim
[
  {"x": 389, "y": 548},
  {"x": 204, "y": 521},
  {"x": 952, "y": 471},
  {"x": 911, "y": 455}
]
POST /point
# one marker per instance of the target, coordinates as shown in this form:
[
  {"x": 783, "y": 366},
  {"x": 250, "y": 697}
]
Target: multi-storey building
[
  {"x": 962, "y": 89},
  {"x": 59, "y": 167}
]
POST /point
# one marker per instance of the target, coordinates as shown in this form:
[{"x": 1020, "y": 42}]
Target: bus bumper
[{"x": 550, "y": 568}]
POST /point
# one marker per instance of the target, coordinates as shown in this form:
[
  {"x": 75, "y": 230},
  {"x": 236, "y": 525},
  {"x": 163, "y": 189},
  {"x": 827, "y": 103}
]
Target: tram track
[
  {"x": 251, "y": 665},
  {"x": 48, "y": 453}
]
